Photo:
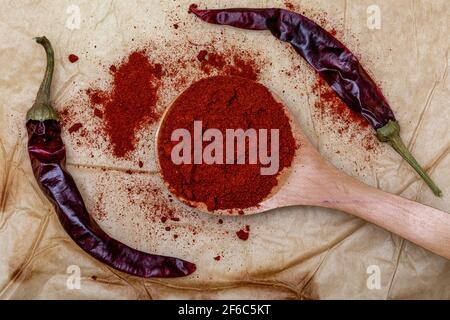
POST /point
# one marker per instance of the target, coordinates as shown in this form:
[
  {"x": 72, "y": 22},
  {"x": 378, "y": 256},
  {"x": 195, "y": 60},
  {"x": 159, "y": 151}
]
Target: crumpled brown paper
[{"x": 292, "y": 253}]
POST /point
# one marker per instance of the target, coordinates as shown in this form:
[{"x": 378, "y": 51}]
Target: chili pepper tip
[{"x": 192, "y": 8}]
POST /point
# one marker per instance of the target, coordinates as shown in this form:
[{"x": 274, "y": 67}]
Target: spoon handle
[{"x": 418, "y": 223}]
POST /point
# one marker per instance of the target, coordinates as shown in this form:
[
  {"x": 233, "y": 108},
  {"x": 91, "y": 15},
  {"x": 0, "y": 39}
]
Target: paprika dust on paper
[{"x": 130, "y": 103}]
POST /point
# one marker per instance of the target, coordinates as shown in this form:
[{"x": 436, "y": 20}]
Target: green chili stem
[
  {"x": 42, "y": 109},
  {"x": 390, "y": 133}
]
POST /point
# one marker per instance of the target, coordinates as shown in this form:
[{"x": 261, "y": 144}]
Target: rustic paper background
[{"x": 292, "y": 253}]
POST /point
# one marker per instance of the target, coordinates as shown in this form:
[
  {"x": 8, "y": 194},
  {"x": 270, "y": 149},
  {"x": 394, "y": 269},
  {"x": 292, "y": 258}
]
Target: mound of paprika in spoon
[
  {"x": 334, "y": 62},
  {"x": 47, "y": 153},
  {"x": 199, "y": 153}
]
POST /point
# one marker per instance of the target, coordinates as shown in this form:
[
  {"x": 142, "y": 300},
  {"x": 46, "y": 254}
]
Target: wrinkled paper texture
[{"x": 292, "y": 253}]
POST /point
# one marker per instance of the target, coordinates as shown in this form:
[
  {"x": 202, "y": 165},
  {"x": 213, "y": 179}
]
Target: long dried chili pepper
[
  {"x": 47, "y": 153},
  {"x": 332, "y": 60}
]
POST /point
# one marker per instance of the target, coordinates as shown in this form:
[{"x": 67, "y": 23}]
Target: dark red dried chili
[
  {"x": 47, "y": 153},
  {"x": 335, "y": 63}
]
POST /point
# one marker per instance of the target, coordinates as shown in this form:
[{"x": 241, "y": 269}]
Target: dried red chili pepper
[
  {"x": 47, "y": 153},
  {"x": 335, "y": 63}
]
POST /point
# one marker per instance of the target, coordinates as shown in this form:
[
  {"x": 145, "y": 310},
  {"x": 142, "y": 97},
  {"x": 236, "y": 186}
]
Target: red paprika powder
[
  {"x": 131, "y": 102},
  {"x": 224, "y": 102},
  {"x": 228, "y": 63},
  {"x": 73, "y": 58}
]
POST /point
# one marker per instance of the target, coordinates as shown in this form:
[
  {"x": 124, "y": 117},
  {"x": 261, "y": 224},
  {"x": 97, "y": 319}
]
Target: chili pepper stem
[
  {"x": 42, "y": 109},
  {"x": 390, "y": 133}
]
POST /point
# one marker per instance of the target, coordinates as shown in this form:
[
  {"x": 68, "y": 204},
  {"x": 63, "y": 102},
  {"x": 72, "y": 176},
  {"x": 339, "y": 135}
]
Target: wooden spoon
[{"x": 313, "y": 181}]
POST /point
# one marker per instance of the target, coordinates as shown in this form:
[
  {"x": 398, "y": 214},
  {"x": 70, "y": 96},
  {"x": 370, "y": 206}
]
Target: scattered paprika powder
[
  {"x": 236, "y": 65},
  {"x": 74, "y": 128},
  {"x": 73, "y": 58},
  {"x": 244, "y": 233},
  {"x": 131, "y": 102}
]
